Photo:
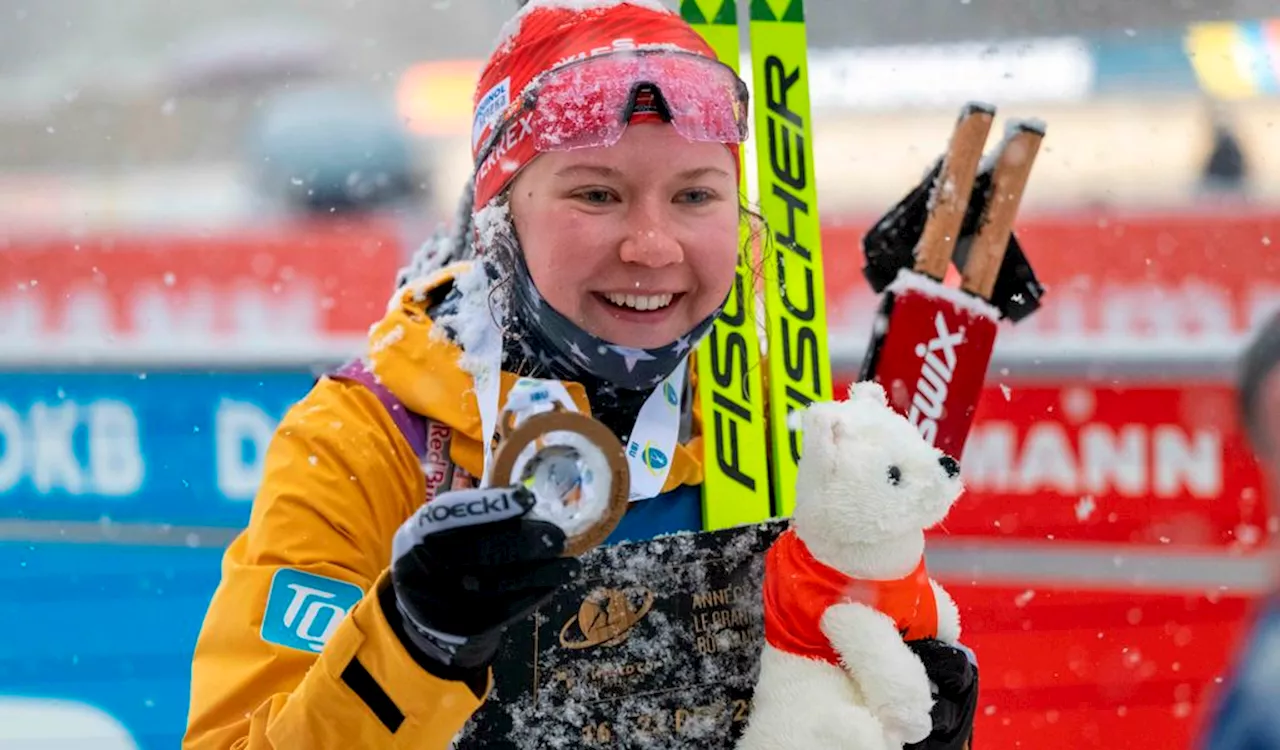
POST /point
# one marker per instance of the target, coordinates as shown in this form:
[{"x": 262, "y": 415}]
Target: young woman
[{"x": 606, "y": 222}]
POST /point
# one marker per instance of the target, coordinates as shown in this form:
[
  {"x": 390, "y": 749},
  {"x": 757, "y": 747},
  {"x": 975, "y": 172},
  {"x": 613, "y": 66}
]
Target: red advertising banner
[
  {"x": 1165, "y": 466},
  {"x": 197, "y": 294},
  {"x": 1183, "y": 282},
  {"x": 1136, "y": 464},
  {"x": 1065, "y": 668},
  {"x": 1171, "y": 279}
]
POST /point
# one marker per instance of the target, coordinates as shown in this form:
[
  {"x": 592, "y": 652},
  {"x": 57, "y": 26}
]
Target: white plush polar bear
[{"x": 846, "y": 584}]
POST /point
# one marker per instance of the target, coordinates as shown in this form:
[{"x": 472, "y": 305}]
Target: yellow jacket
[{"x": 295, "y": 651}]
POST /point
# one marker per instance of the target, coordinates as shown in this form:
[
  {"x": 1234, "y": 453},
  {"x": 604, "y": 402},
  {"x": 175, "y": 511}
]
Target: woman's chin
[{"x": 651, "y": 338}]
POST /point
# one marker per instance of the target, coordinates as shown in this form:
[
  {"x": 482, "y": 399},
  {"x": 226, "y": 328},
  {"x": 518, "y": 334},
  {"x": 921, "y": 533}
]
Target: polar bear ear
[
  {"x": 868, "y": 390},
  {"x": 818, "y": 416}
]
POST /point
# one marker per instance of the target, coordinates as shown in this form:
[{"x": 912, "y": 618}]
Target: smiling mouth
[{"x": 640, "y": 302}]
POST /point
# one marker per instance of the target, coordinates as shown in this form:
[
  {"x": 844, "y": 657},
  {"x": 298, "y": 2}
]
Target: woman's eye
[
  {"x": 596, "y": 196},
  {"x": 695, "y": 196}
]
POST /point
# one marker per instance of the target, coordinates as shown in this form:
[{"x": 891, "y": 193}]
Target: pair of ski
[{"x": 933, "y": 353}]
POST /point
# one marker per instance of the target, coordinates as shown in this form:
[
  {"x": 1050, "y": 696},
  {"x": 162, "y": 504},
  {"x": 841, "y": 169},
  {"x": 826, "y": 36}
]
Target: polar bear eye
[{"x": 895, "y": 475}]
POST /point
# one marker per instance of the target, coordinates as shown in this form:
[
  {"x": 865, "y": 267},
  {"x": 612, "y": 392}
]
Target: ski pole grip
[
  {"x": 1008, "y": 183},
  {"x": 949, "y": 198}
]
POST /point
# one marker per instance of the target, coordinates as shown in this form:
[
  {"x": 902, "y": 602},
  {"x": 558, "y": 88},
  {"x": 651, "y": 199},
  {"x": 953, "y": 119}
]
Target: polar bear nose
[{"x": 950, "y": 466}]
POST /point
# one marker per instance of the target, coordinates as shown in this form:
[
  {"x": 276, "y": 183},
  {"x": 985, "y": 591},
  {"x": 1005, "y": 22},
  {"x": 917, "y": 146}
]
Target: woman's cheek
[
  {"x": 555, "y": 230},
  {"x": 721, "y": 260},
  {"x": 570, "y": 223}
]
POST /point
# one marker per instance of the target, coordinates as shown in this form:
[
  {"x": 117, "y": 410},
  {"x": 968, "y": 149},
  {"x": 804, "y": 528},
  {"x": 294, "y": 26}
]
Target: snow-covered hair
[{"x": 449, "y": 244}]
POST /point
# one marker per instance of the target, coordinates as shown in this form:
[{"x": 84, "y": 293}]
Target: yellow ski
[
  {"x": 795, "y": 293},
  {"x": 735, "y": 487}
]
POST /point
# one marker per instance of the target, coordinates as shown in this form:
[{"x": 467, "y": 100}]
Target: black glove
[
  {"x": 955, "y": 679},
  {"x": 463, "y": 568}
]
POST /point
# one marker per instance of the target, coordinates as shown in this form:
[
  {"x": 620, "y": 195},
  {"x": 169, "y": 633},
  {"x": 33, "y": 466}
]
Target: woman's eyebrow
[
  {"x": 597, "y": 170},
  {"x": 696, "y": 172}
]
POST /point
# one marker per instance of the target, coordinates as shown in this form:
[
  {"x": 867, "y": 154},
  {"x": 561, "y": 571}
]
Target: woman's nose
[{"x": 648, "y": 243}]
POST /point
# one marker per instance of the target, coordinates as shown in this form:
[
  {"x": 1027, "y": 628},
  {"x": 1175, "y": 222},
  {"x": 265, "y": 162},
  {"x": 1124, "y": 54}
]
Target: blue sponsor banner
[
  {"x": 96, "y": 638},
  {"x": 96, "y": 643},
  {"x": 175, "y": 448}
]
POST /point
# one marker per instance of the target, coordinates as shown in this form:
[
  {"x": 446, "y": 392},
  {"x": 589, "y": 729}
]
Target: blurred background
[{"x": 202, "y": 205}]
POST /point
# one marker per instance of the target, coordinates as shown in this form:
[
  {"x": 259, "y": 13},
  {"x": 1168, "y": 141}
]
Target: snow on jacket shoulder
[{"x": 295, "y": 651}]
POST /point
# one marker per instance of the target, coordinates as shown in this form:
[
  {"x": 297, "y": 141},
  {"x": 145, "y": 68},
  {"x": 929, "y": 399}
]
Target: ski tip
[
  {"x": 1032, "y": 125},
  {"x": 977, "y": 108}
]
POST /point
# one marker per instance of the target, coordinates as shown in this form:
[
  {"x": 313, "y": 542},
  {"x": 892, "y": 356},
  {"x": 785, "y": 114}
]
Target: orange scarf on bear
[{"x": 798, "y": 589}]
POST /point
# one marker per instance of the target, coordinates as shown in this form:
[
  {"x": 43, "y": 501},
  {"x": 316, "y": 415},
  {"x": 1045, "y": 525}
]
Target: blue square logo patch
[{"x": 304, "y": 609}]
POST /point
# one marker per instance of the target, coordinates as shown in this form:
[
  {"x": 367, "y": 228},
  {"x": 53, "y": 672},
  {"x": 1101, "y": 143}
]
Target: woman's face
[{"x": 636, "y": 242}]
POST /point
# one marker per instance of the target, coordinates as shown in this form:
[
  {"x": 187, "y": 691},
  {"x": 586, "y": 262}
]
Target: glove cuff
[{"x": 469, "y": 670}]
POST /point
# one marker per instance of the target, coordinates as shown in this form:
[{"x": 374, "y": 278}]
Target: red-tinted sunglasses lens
[{"x": 584, "y": 105}]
